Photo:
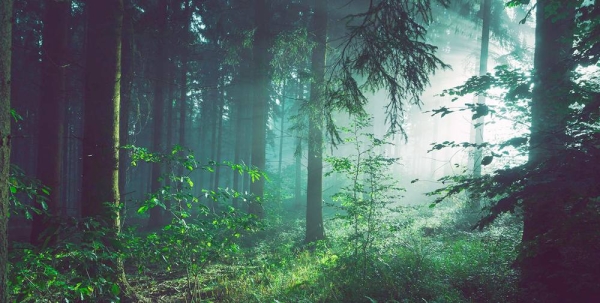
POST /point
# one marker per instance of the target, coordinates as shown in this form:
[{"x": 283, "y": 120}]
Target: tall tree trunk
[
  {"x": 298, "y": 154},
  {"x": 281, "y": 133},
  {"x": 5, "y": 65},
  {"x": 127, "y": 52},
  {"x": 183, "y": 76},
  {"x": 169, "y": 110},
  {"x": 219, "y": 142},
  {"x": 156, "y": 213},
  {"x": 260, "y": 50},
  {"x": 541, "y": 258},
  {"x": 52, "y": 112},
  {"x": 100, "y": 197},
  {"x": 314, "y": 189},
  {"x": 100, "y": 188},
  {"x": 486, "y": 8}
]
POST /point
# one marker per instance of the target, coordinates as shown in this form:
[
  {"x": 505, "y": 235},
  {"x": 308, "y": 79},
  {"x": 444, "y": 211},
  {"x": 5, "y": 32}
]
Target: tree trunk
[
  {"x": 314, "y": 189},
  {"x": 100, "y": 181},
  {"x": 241, "y": 89},
  {"x": 218, "y": 143},
  {"x": 486, "y": 8},
  {"x": 52, "y": 112},
  {"x": 298, "y": 154},
  {"x": 156, "y": 212},
  {"x": 183, "y": 77},
  {"x": 101, "y": 114},
  {"x": 5, "y": 65},
  {"x": 260, "y": 106},
  {"x": 281, "y": 134},
  {"x": 127, "y": 52},
  {"x": 541, "y": 259}
]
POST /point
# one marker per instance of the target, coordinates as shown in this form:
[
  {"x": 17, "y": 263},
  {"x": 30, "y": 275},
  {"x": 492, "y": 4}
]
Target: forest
[{"x": 300, "y": 151}]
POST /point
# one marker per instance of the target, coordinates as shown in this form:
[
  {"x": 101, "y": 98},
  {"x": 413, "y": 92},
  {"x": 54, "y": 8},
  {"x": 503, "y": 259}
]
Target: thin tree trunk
[
  {"x": 5, "y": 66},
  {"x": 169, "y": 142},
  {"x": 261, "y": 101},
  {"x": 298, "y": 155},
  {"x": 127, "y": 52},
  {"x": 483, "y": 68},
  {"x": 218, "y": 145},
  {"x": 156, "y": 213},
  {"x": 281, "y": 133},
  {"x": 314, "y": 190},
  {"x": 52, "y": 108},
  {"x": 184, "y": 70}
]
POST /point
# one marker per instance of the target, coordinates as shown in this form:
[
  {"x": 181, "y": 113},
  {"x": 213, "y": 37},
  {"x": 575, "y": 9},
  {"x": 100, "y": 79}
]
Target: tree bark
[
  {"x": 156, "y": 212},
  {"x": 541, "y": 259},
  {"x": 314, "y": 189},
  {"x": 5, "y": 66},
  {"x": 261, "y": 101},
  {"x": 486, "y": 8},
  {"x": 184, "y": 70},
  {"x": 101, "y": 115},
  {"x": 127, "y": 52},
  {"x": 52, "y": 112},
  {"x": 285, "y": 88}
]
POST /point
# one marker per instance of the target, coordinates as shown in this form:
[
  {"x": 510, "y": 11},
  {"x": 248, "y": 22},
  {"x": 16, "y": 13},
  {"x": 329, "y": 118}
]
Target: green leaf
[
  {"x": 115, "y": 290},
  {"x": 13, "y": 189},
  {"x": 143, "y": 209}
]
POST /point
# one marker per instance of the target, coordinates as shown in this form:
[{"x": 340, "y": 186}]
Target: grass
[
  {"x": 410, "y": 265},
  {"x": 423, "y": 256}
]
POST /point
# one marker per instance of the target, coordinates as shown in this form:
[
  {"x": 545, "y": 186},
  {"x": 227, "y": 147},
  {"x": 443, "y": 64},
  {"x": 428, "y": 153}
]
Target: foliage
[
  {"x": 77, "y": 268},
  {"x": 415, "y": 264},
  {"x": 24, "y": 188},
  {"x": 383, "y": 48},
  {"x": 202, "y": 229},
  {"x": 365, "y": 201}
]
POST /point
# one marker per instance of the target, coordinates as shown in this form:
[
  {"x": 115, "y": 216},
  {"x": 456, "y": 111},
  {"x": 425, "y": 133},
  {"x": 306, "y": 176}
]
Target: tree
[
  {"x": 314, "y": 187},
  {"x": 127, "y": 51},
  {"x": 260, "y": 104},
  {"x": 486, "y": 9},
  {"x": 52, "y": 108},
  {"x": 5, "y": 65},
  {"x": 100, "y": 181},
  {"x": 156, "y": 214},
  {"x": 383, "y": 47},
  {"x": 554, "y": 188},
  {"x": 543, "y": 211}
]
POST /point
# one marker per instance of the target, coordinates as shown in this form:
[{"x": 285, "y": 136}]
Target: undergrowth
[{"x": 414, "y": 265}]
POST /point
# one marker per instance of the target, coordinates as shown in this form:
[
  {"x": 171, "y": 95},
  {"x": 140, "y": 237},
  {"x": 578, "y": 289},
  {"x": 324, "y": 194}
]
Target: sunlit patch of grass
[{"x": 296, "y": 277}]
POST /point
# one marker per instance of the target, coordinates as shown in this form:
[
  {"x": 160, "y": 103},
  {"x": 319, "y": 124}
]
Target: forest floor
[
  {"x": 431, "y": 260},
  {"x": 418, "y": 255}
]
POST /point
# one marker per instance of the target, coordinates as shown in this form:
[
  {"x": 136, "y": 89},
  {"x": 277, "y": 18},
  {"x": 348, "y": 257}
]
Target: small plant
[{"x": 366, "y": 200}]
